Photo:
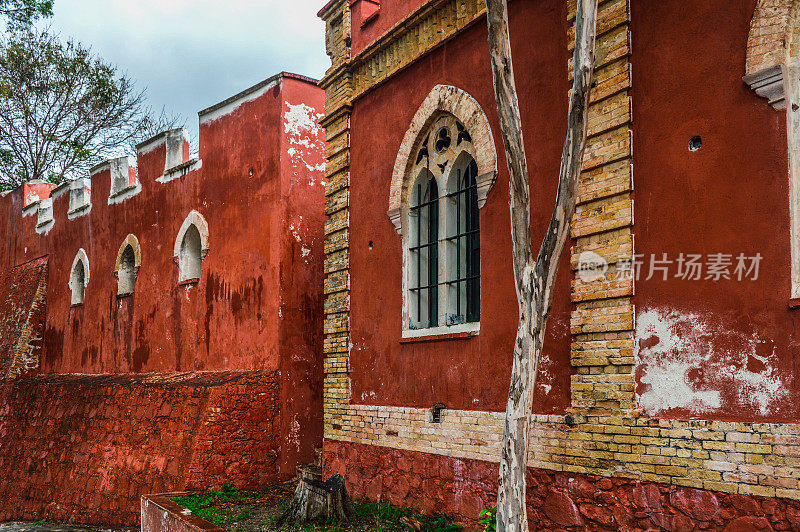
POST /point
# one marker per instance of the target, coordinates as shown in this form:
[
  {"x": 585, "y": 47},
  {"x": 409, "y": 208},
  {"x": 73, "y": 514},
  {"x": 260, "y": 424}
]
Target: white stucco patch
[
  {"x": 305, "y": 138},
  {"x": 692, "y": 362}
]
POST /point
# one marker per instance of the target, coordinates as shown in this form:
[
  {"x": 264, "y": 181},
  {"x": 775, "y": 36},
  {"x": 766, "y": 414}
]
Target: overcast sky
[{"x": 191, "y": 54}]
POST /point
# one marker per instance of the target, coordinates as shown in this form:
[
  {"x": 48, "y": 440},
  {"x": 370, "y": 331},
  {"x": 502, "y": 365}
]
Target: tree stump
[{"x": 315, "y": 499}]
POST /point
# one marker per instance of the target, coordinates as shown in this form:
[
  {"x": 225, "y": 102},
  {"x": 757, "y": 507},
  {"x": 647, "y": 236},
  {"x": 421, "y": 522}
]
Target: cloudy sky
[{"x": 191, "y": 54}]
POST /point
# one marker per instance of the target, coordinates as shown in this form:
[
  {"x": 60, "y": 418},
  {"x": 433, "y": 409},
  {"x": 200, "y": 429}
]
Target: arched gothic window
[
  {"x": 191, "y": 247},
  {"x": 190, "y": 260},
  {"x": 441, "y": 232},
  {"x": 463, "y": 243},
  {"x": 79, "y": 277},
  {"x": 127, "y": 275}
]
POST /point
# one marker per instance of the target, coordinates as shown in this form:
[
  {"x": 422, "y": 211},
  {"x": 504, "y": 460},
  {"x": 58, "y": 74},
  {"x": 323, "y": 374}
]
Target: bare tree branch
[
  {"x": 534, "y": 279},
  {"x": 62, "y": 109}
]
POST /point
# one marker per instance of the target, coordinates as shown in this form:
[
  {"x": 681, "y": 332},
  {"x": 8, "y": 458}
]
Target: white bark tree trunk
[{"x": 535, "y": 278}]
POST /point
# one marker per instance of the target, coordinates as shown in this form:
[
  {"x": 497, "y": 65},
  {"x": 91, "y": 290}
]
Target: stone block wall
[
  {"x": 555, "y": 500},
  {"x": 84, "y": 449}
]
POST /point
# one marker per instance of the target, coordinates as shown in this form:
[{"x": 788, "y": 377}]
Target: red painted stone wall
[
  {"x": 84, "y": 449},
  {"x": 556, "y": 501},
  {"x": 471, "y": 373}
]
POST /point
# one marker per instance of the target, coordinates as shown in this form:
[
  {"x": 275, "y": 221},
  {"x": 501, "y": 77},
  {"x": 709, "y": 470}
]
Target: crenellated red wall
[{"x": 252, "y": 324}]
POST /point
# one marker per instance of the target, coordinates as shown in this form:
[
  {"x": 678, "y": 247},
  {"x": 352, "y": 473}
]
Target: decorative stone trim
[
  {"x": 454, "y": 101},
  {"x": 45, "y": 220},
  {"x": 124, "y": 180},
  {"x": 80, "y": 198},
  {"x": 133, "y": 242},
  {"x": 80, "y": 256},
  {"x": 769, "y": 84},
  {"x": 428, "y": 27}
]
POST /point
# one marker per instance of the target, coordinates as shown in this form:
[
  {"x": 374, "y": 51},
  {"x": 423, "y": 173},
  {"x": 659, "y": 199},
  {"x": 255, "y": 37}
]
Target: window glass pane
[
  {"x": 463, "y": 245},
  {"x": 423, "y": 254}
]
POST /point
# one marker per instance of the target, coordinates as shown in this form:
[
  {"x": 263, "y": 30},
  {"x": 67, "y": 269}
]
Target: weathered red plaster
[
  {"x": 731, "y": 196},
  {"x": 84, "y": 449},
  {"x": 556, "y": 501},
  {"x": 23, "y": 310},
  {"x": 472, "y": 373}
]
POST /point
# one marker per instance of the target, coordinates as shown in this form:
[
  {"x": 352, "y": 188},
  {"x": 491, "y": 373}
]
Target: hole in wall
[
  {"x": 695, "y": 143},
  {"x": 436, "y": 412},
  {"x": 370, "y": 244}
]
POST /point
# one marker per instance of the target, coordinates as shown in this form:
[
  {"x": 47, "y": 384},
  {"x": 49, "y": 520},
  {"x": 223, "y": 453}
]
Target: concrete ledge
[{"x": 161, "y": 514}]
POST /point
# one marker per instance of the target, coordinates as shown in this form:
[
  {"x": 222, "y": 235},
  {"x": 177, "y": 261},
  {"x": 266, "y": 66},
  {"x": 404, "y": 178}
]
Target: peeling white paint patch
[
  {"x": 294, "y": 434},
  {"x": 31, "y": 209},
  {"x": 295, "y": 232},
  {"x": 45, "y": 228},
  {"x": 304, "y": 251},
  {"x": 545, "y": 378},
  {"x": 693, "y": 362},
  {"x": 80, "y": 211},
  {"x": 180, "y": 171},
  {"x": 306, "y": 139}
]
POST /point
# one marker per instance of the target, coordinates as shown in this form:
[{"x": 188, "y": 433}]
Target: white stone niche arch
[
  {"x": 191, "y": 247},
  {"x": 126, "y": 267},
  {"x": 443, "y": 100},
  {"x": 79, "y": 277}
]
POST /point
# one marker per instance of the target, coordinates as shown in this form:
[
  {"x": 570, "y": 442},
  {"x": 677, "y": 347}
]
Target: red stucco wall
[
  {"x": 23, "y": 310},
  {"x": 471, "y": 374},
  {"x": 729, "y": 346},
  {"x": 365, "y": 29}
]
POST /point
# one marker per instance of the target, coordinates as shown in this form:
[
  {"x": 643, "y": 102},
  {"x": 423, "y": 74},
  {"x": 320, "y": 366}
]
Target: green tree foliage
[
  {"x": 62, "y": 109},
  {"x": 22, "y": 13}
]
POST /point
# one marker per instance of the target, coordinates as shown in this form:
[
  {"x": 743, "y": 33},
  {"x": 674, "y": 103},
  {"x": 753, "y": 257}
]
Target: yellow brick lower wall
[{"x": 747, "y": 458}]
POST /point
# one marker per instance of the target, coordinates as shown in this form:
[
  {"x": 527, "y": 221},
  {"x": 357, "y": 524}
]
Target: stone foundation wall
[
  {"x": 84, "y": 449},
  {"x": 556, "y": 500}
]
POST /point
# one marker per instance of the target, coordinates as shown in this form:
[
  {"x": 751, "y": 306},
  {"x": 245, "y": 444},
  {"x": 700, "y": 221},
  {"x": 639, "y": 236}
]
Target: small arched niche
[
  {"x": 191, "y": 247},
  {"x": 129, "y": 259},
  {"x": 79, "y": 277}
]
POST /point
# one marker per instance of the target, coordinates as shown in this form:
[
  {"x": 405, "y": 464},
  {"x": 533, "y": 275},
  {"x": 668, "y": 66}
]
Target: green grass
[
  {"x": 370, "y": 516},
  {"x": 374, "y": 516},
  {"x": 384, "y": 516},
  {"x": 205, "y": 505}
]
